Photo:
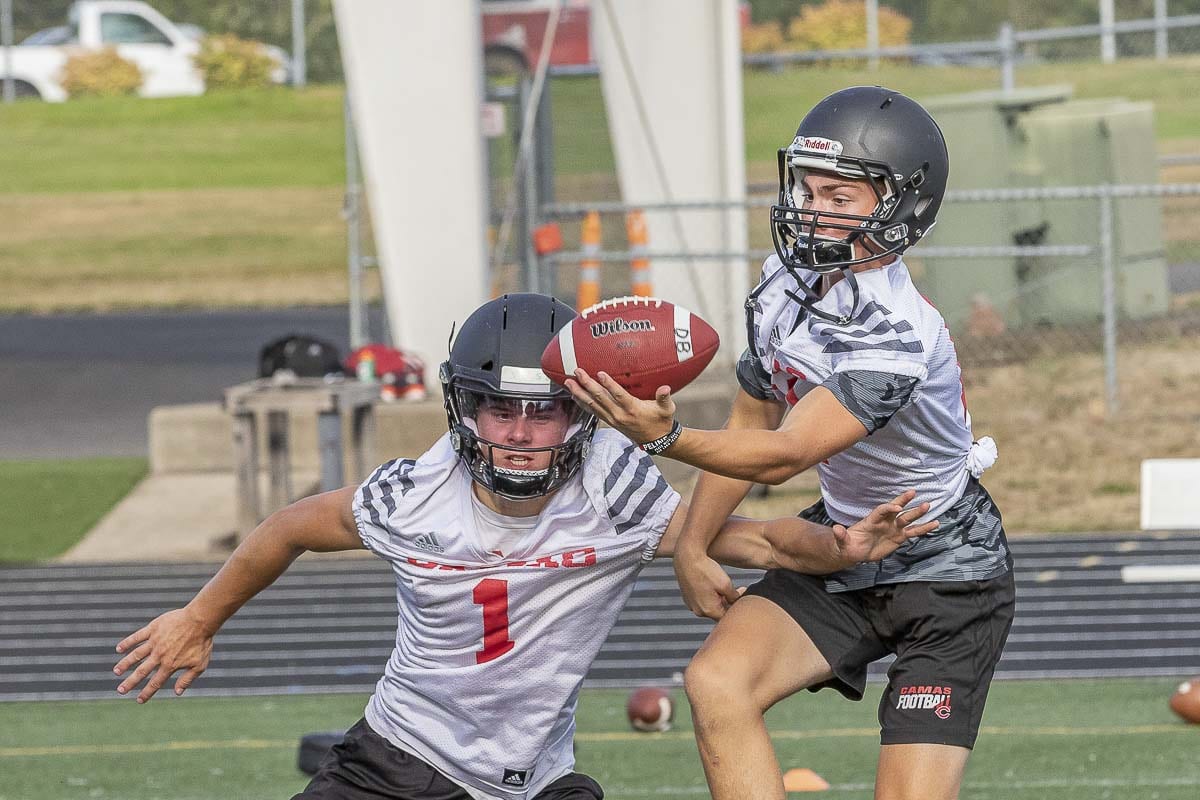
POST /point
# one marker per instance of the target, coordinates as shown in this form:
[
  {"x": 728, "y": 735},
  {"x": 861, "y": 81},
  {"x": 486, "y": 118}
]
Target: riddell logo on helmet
[
  {"x": 610, "y": 326},
  {"x": 925, "y": 698},
  {"x": 818, "y": 145}
]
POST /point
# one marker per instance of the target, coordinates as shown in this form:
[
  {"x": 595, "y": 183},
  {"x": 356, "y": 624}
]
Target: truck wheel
[
  {"x": 503, "y": 61},
  {"x": 23, "y": 90}
]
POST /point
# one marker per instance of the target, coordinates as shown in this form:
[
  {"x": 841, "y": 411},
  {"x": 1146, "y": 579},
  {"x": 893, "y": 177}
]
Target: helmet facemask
[
  {"x": 519, "y": 446},
  {"x": 829, "y": 242}
]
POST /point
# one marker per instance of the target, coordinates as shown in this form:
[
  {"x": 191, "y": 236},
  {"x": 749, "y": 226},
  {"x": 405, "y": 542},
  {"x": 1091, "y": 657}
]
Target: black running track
[{"x": 328, "y": 625}]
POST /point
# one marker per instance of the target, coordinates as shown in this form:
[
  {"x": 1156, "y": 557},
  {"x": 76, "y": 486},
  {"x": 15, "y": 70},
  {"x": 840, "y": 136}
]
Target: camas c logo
[{"x": 611, "y": 326}]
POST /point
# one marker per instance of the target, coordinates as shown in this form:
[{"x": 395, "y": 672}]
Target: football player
[
  {"x": 515, "y": 541},
  {"x": 850, "y": 370}
]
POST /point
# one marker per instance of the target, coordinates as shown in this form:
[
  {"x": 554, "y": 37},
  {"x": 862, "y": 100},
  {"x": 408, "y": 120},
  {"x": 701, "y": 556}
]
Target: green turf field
[
  {"x": 1068, "y": 740},
  {"x": 39, "y": 520}
]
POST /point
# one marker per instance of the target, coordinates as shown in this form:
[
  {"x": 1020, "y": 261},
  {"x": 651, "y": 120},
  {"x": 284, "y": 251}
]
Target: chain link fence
[{"x": 1083, "y": 364}]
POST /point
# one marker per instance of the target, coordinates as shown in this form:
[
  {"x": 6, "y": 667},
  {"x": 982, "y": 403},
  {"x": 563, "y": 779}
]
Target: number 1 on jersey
[{"x": 492, "y": 594}]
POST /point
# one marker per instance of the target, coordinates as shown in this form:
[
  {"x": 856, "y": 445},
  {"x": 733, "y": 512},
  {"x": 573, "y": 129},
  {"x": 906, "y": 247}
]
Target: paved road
[
  {"x": 83, "y": 385},
  {"x": 328, "y": 626}
]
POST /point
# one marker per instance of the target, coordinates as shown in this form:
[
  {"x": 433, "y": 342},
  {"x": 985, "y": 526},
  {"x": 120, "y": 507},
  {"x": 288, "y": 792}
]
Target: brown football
[
  {"x": 650, "y": 709},
  {"x": 1186, "y": 700},
  {"x": 641, "y": 342}
]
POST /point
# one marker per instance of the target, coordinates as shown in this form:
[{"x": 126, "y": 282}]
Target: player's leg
[
  {"x": 755, "y": 656},
  {"x": 925, "y": 771},
  {"x": 366, "y": 766},
  {"x": 948, "y": 639},
  {"x": 776, "y": 640}
]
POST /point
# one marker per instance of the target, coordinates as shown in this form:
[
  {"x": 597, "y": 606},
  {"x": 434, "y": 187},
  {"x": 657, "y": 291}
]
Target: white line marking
[{"x": 1165, "y": 574}]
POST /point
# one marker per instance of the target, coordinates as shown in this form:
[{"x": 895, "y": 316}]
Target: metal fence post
[
  {"x": 873, "y": 33},
  {"x": 1109, "y": 300},
  {"x": 526, "y": 192},
  {"x": 1108, "y": 37},
  {"x": 6, "y": 42},
  {"x": 1008, "y": 56},
  {"x": 543, "y": 167},
  {"x": 1160, "y": 30},
  {"x": 299, "y": 54},
  {"x": 353, "y": 211}
]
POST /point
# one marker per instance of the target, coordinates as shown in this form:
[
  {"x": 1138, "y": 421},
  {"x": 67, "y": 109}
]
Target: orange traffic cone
[
  {"x": 639, "y": 265},
  {"x": 588, "y": 293},
  {"x": 803, "y": 780}
]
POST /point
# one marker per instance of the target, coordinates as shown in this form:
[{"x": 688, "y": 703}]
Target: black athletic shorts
[
  {"x": 947, "y": 637},
  {"x": 366, "y": 766}
]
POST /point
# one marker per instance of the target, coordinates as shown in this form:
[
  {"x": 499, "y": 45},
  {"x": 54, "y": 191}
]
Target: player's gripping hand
[
  {"x": 173, "y": 641},
  {"x": 706, "y": 588},
  {"x": 641, "y": 420},
  {"x": 878, "y": 534}
]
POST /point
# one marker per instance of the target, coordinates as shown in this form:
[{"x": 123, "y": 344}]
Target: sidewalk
[{"x": 168, "y": 517}]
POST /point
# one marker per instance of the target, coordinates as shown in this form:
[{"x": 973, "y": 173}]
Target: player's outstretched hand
[
  {"x": 173, "y": 641},
  {"x": 706, "y": 588},
  {"x": 641, "y": 420},
  {"x": 887, "y": 527}
]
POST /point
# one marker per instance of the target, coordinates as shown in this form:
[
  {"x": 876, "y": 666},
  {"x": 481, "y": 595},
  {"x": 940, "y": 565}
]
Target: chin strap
[{"x": 810, "y": 298}]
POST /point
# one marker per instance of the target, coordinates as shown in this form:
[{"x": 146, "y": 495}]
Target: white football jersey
[
  {"x": 491, "y": 649},
  {"x": 895, "y": 330}
]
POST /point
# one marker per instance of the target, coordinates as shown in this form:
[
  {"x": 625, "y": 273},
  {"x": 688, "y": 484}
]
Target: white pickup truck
[{"x": 162, "y": 50}]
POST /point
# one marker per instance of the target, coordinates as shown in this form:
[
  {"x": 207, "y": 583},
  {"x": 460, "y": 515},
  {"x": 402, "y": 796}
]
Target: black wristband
[{"x": 659, "y": 445}]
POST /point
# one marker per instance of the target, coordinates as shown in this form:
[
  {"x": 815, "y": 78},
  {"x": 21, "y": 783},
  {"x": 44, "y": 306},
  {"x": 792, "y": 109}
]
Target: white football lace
[{"x": 625, "y": 301}]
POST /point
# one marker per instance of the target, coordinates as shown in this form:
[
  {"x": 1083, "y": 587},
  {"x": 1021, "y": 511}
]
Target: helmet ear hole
[{"x": 922, "y": 205}]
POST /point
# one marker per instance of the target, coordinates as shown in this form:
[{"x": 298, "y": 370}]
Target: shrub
[
  {"x": 102, "y": 73},
  {"x": 842, "y": 25},
  {"x": 765, "y": 37},
  {"x": 229, "y": 62}
]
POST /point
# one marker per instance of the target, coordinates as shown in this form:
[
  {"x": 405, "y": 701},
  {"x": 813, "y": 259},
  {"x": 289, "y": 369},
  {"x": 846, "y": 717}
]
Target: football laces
[{"x": 621, "y": 301}]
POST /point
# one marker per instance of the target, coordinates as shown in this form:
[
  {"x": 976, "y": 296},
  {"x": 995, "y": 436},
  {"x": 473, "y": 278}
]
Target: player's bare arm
[
  {"x": 803, "y": 546},
  {"x": 706, "y": 589},
  {"x": 818, "y": 427},
  {"x": 182, "y": 639}
]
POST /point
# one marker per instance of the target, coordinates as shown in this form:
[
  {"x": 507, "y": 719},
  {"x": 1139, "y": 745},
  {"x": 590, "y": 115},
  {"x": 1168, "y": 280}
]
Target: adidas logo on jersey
[
  {"x": 515, "y": 777},
  {"x": 429, "y": 541}
]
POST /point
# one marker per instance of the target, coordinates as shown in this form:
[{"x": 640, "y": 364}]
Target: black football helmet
[
  {"x": 495, "y": 361},
  {"x": 861, "y": 132}
]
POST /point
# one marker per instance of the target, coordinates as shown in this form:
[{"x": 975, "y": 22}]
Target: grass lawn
[
  {"x": 278, "y": 137},
  {"x": 47, "y": 506},
  {"x": 234, "y": 198},
  {"x": 1071, "y": 740}
]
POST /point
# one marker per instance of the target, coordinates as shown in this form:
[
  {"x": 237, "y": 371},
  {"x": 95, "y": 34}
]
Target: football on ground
[
  {"x": 1186, "y": 700},
  {"x": 642, "y": 342},
  {"x": 650, "y": 709}
]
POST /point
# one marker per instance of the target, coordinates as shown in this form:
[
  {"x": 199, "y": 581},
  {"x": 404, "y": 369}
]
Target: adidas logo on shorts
[{"x": 515, "y": 777}]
